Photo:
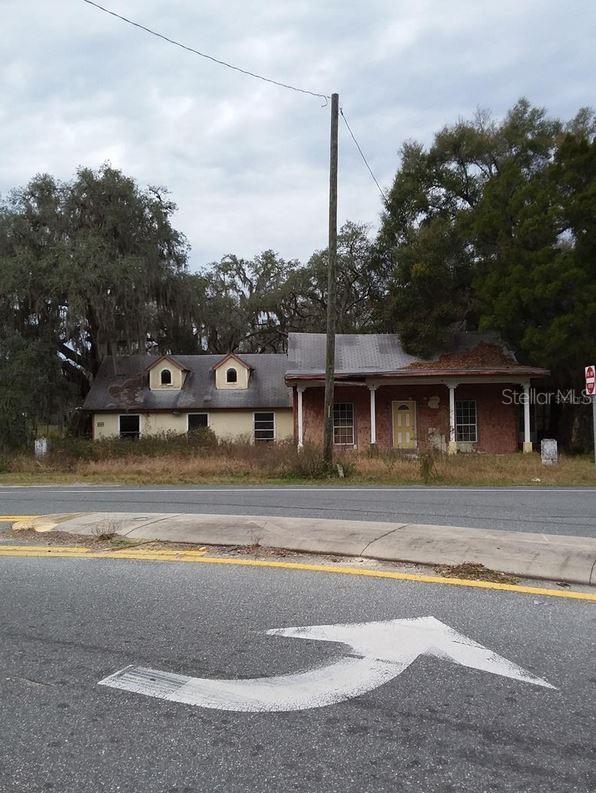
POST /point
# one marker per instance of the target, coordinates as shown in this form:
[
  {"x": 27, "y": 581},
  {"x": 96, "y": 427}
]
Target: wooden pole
[{"x": 331, "y": 285}]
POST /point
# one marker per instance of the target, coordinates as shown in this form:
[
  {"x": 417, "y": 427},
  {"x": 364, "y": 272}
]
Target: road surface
[
  {"x": 438, "y": 727},
  {"x": 548, "y": 511}
]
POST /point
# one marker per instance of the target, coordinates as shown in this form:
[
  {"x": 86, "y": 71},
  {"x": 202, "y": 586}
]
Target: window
[
  {"x": 197, "y": 420},
  {"x": 264, "y": 427},
  {"x": 466, "y": 426},
  {"x": 231, "y": 376},
  {"x": 129, "y": 427},
  {"x": 343, "y": 423},
  {"x": 166, "y": 377}
]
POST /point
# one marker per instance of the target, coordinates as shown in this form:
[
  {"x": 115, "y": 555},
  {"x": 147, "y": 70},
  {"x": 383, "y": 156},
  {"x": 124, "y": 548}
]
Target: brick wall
[{"x": 497, "y": 426}]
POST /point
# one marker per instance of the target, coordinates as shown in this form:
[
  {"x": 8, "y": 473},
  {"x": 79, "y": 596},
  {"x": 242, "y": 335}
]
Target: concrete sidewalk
[{"x": 552, "y": 557}]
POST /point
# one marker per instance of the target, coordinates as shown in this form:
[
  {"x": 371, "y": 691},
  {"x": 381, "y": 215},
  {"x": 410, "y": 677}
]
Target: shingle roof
[
  {"x": 123, "y": 384},
  {"x": 382, "y": 354}
]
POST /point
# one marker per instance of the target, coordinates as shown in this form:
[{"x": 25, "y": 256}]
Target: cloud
[{"x": 247, "y": 162}]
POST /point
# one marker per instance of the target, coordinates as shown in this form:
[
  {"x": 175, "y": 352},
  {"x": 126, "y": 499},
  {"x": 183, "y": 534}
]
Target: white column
[
  {"x": 452, "y": 448},
  {"x": 300, "y": 418},
  {"x": 527, "y": 447},
  {"x": 373, "y": 415}
]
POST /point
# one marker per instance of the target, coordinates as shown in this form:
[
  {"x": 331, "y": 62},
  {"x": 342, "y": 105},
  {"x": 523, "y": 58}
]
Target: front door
[{"x": 404, "y": 424}]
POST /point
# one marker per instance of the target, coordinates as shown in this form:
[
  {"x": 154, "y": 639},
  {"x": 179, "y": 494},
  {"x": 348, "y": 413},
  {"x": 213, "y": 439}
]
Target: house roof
[
  {"x": 232, "y": 355},
  {"x": 156, "y": 360},
  {"x": 122, "y": 385},
  {"x": 382, "y": 355}
]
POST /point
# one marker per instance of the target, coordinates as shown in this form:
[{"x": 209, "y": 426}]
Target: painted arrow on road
[{"x": 378, "y": 652}]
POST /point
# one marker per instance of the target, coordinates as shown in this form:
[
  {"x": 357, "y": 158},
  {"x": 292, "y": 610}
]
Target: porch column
[
  {"x": 527, "y": 447},
  {"x": 300, "y": 390},
  {"x": 452, "y": 447},
  {"x": 373, "y": 414}
]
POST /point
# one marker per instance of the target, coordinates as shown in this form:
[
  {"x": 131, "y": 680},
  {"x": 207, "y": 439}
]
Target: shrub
[{"x": 306, "y": 463}]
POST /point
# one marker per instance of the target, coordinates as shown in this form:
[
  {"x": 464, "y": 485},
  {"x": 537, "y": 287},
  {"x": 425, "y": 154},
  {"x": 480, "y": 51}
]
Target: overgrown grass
[{"x": 200, "y": 459}]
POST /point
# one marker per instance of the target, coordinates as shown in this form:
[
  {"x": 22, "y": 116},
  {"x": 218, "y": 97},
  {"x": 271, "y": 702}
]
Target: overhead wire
[
  {"x": 205, "y": 55},
  {"x": 248, "y": 73},
  {"x": 364, "y": 160}
]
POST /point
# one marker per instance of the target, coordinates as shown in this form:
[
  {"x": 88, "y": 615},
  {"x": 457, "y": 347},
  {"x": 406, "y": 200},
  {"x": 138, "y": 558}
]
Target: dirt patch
[
  {"x": 100, "y": 542},
  {"x": 474, "y": 572},
  {"x": 255, "y": 550},
  {"x": 32, "y": 537}
]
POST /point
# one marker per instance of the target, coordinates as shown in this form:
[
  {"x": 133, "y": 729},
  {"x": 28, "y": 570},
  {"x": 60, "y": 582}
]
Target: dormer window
[
  {"x": 232, "y": 372},
  {"x": 166, "y": 373}
]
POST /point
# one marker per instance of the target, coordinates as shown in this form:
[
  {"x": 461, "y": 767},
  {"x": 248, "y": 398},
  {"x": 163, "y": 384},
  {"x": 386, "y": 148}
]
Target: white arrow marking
[{"x": 379, "y": 651}]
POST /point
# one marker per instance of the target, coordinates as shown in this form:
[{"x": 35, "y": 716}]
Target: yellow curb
[
  {"x": 43, "y": 549},
  {"x": 18, "y": 517},
  {"x": 112, "y": 553},
  {"x": 38, "y": 523},
  {"x": 199, "y": 557},
  {"x": 40, "y": 526}
]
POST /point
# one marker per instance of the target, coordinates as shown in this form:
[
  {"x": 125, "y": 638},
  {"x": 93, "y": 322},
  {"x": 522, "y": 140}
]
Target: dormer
[
  {"x": 232, "y": 373},
  {"x": 166, "y": 374}
]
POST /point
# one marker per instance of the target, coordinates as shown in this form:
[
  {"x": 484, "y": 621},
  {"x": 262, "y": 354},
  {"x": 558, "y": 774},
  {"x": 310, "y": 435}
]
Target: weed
[
  {"x": 428, "y": 467},
  {"x": 175, "y": 459},
  {"x": 107, "y": 531}
]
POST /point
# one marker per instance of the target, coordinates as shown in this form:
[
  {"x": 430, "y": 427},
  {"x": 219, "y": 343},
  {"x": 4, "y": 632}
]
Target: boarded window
[
  {"x": 343, "y": 423},
  {"x": 466, "y": 425},
  {"x": 197, "y": 420},
  {"x": 129, "y": 427},
  {"x": 264, "y": 427},
  {"x": 166, "y": 377},
  {"x": 231, "y": 376}
]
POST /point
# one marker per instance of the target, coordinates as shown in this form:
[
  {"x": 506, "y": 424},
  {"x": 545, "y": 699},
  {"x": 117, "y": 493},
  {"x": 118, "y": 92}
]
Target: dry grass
[
  {"x": 245, "y": 464},
  {"x": 481, "y": 469},
  {"x": 472, "y": 571}
]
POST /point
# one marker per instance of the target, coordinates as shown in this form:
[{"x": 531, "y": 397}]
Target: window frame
[
  {"x": 342, "y": 426},
  {"x": 196, "y": 413},
  {"x": 464, "y": 427},
  {"x": 228, "y": 371},
  {"x": 129, "y": 436},
  {"x": 167, "y": 372},
  {"x": 273, "y": 428}
]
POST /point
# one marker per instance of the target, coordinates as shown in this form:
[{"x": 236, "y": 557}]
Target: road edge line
[{"x": 182, "y": 556}]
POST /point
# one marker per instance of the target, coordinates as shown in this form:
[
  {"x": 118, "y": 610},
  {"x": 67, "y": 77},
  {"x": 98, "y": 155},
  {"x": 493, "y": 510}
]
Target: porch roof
[{"x": 381, "y": 356}]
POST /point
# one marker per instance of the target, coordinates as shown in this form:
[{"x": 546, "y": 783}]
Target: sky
[{"x": 247, "y": 162}]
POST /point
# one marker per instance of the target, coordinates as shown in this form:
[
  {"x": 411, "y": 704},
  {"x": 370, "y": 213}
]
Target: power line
[
  {"x": 204, "y": 55},
  {"x": 248, "y": 74},
  {"x": 364, "y": 160}
]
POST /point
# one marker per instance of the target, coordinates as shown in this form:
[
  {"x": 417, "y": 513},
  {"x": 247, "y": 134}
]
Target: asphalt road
[
  {"x": 549, "y": 511},
  {"x": 437, "y": 728}
]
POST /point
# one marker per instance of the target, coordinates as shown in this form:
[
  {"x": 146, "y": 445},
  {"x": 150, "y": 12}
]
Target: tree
[
  {"x": 304, "y": 299},
  {"x": 251, "y": 306},
  {"x": 88, "y": 268},
  {"x": 493, "y": 228},
  {"x": 93, "y": 266},
  {"x": 238, "y": 303}
]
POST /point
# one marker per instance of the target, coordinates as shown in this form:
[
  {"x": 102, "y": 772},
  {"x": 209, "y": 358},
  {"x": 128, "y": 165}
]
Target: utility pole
[{"x": 330, "y": 349}]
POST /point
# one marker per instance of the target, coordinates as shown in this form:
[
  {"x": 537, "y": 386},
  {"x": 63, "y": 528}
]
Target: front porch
[{"x": 415, "y": 415}]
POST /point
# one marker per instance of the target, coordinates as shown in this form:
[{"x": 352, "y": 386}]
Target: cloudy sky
[{"x": 247, "y": 162}]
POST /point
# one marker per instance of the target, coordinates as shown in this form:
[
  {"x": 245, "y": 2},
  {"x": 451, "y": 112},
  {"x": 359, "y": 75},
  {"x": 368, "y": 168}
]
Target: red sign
[{"x": 591, "y": 379}]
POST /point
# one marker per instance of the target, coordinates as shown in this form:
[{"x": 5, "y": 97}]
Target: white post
[
  {"x": 527, "y": 447},
  {"x": 594, "y": 423},
  {"x": 452, "y": 447},
  {"x": 373, "y": 415},
  {"x": 300, "y": 418}
]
